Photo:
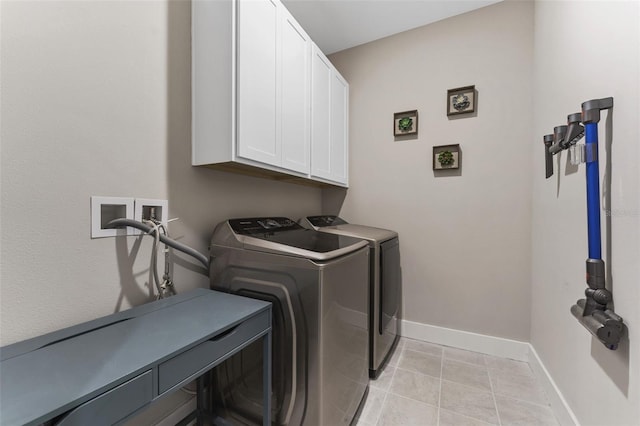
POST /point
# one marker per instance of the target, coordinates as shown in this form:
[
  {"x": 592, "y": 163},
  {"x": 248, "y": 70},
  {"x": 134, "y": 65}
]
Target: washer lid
[
  {"x": 282, "y": 235},
  {"x": 336, "y": 225}
]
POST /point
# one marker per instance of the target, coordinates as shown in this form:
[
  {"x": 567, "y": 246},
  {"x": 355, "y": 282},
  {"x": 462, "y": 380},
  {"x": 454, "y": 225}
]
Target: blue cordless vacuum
[{"x": 592, "y": 312}]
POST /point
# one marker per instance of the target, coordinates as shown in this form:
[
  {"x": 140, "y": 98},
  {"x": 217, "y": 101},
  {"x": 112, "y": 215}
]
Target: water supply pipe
[{"x": 121, "y": 223}]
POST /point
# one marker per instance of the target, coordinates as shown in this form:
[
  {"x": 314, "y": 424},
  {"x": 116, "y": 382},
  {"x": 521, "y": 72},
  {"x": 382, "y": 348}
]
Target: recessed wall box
[
  {"x": 104, "y": 210},
  {"x": 146, "y": 209}
]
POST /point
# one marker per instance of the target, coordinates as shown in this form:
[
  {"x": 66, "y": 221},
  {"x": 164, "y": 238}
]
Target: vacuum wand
[{"x": 592, "y": 311}]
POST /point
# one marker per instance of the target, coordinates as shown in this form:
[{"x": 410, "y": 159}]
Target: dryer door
[{"x": 390, "y": 280}]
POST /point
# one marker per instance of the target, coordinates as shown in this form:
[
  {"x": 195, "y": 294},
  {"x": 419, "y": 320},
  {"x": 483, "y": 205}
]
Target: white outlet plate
[
  {"x": 140, "y": 203},
  {"x": 97, "y": 203}
]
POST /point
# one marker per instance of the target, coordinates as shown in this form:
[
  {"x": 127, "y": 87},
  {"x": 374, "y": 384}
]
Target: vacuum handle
[
  {"x": 548, "y": 163},
  {"x": 548, "y": 155}
]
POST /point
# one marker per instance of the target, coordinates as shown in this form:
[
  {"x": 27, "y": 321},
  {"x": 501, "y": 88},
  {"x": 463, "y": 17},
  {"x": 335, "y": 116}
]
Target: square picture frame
[
  {"x": 461, "y": 100},
  {"x": 405, "y": 123},
  {"x": 443, "y": 161}
]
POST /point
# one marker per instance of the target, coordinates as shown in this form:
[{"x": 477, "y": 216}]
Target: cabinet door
[
  {"x": 329, "y": 120},
  {"x": 321, "y": 70},
  {"x": 294, "y": 120},
  {"x": 339, "y": 128},
  {"x": 257, "y": 84}
]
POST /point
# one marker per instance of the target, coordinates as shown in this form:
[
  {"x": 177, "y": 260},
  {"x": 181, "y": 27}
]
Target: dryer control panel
[{"x": 326, "y": 220}]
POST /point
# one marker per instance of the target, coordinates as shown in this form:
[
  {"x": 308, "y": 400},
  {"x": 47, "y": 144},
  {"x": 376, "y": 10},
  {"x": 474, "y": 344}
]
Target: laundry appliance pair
[{"x": 319, "y": 285}]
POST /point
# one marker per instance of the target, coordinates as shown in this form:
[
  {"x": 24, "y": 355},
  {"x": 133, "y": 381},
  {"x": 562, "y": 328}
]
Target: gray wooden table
[{"x": 107, "y": 370}]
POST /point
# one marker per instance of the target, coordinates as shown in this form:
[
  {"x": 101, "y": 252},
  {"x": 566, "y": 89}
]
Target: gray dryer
[{"x": 385, "y": 285}]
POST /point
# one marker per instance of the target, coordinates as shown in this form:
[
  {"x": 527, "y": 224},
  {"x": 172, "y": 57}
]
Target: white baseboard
[
  {"x": 496, "y": 346},
  {"x": 559, "y": 405},
  {"x": 482, "y": 343}
]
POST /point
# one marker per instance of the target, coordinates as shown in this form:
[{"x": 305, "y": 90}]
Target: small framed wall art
[
  {"x": 461, "y": 100},
  {"x": 405, "y": 123},
  {"x": 446, "y": 157}
]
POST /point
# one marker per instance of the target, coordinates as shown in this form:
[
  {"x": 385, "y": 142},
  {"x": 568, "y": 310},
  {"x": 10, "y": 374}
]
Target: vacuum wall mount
[{"x": 592, "y": 312}]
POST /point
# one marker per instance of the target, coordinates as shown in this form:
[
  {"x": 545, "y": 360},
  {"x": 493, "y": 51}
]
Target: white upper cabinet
[
  {"x": 258, "y": 85},
  {"x": 329, "y": 120},
  {"x": 320, "y": 114},
  {"x": 253, "y": 68},
  {"x": 294, "y": 114},
  {"x": 339, "y": 128}
]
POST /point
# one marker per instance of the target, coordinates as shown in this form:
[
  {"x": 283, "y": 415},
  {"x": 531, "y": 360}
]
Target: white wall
[
  {"x": 96, "y": 101},
  {"x": 587, "y": 50},
  {"x": 465, "y": 240}
]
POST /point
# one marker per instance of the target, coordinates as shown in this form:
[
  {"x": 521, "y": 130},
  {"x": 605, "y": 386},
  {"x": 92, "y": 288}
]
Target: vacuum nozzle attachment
[
  {"x": 575, "y": 131},
  {"x": 558, "y": 137},
  {"x": 592, "y": 311},
  {"x": 605, "y": 325}
]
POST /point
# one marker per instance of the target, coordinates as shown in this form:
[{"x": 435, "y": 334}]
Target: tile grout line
[
  {"x": 524, "y": 400},
  {"x": 466, "y": 385},
  {"x": 470, "y": 418},
  {"x": 419, "y": 372},
  {"x": 384, "y": 401},
  {"x": 527, "y": 376},
  {"x": 493, "y": 394},
  {"x": 388, "y": 391},
  {"x": 468, "y": 363}
]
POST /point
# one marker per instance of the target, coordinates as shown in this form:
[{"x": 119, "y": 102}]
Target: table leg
[
  {"x": 266, "y": 379},
  {"x": 201, "y": 406}
]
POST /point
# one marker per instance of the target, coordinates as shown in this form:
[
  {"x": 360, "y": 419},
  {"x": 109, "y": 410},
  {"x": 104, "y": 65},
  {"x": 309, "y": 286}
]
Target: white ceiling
[{"x": 340, "y": 24}]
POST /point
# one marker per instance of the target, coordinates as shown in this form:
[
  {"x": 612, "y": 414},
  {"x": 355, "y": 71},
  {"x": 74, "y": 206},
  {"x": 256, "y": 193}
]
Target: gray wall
[
  {"x": 465, "y": 239},
  {"x": 96, "y": 101},
  {"x": 592, "y": 52}
]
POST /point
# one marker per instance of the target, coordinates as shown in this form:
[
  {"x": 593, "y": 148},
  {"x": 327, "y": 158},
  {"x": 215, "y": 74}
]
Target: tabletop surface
[{"x": 58, "y": 371}]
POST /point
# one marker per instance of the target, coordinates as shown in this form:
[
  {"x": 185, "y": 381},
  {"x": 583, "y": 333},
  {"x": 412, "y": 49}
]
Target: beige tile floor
[{"x": 426, "y": 384}]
